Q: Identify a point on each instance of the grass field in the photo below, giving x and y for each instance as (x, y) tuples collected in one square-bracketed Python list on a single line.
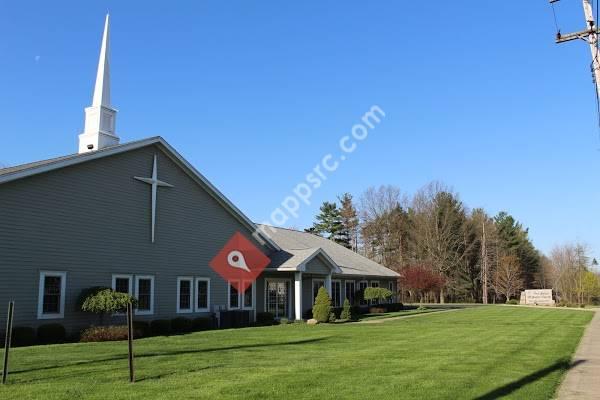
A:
[(478, 353)]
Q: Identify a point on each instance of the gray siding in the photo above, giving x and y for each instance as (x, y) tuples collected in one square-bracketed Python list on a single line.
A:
[(317, 266), (92, 220)]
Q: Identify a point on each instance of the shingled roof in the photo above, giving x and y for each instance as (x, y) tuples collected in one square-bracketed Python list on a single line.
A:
[(296, 244)]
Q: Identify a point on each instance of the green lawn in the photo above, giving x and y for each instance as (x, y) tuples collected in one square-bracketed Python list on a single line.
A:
[(477, 353)]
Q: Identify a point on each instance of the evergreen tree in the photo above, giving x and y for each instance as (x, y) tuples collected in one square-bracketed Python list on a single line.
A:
[(322, 309), (329, 224), (349, 219)]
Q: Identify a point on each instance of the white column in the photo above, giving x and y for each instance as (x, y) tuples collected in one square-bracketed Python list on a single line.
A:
[(298, 295), (328, 284)]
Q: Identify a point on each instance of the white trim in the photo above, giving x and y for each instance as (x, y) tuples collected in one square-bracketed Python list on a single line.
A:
[(319, 251), (192, 297), (267, 280), (298, 296), (137, 294), (313, 295), (340, 297), (122, 276), (346, 282), (63, 291), (366, 302), (196, 308), (170, 152), (229, 298), (253, 292)]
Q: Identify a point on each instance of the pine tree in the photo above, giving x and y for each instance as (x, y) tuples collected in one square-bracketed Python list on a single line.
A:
[(329, 224), (349, 219)]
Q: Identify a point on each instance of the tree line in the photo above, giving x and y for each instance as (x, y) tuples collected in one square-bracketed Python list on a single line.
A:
[(444, 250)]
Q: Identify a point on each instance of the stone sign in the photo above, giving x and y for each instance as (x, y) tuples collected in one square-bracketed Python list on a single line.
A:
[(538, 297)]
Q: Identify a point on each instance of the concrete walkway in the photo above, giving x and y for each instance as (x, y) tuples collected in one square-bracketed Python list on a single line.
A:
[(582, 382)]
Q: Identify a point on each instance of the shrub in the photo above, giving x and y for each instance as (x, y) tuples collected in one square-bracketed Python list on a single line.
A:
[(284, 321), (51, 333), (141, 329), (23, 336), (202, 324), (322, 306), (512, 301), (377, 293), (160, 327), (265, 319), (106, 301), (346, 311), (104, 333), (332, 317), (181, 325), (421, 308)]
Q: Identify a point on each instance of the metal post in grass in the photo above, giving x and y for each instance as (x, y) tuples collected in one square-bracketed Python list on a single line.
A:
[(130, 341), (9, 323)]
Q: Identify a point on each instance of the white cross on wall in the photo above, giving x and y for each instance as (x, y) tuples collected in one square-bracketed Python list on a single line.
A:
[(155, 183)]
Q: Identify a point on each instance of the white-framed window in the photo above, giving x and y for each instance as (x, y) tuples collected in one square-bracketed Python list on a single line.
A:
[(391, 288), (375, 284), (350, 291), (234, 298), (336, 293), (51, 295), (362, 285), (316, 285), (144, 293), (122, 283), (185, 294), (202, 301), (248, 298), (277, 297)]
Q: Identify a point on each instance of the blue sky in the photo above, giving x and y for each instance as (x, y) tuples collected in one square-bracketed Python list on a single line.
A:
[(254, 94)]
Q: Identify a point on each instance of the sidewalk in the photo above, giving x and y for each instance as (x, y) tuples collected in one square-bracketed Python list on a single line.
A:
[(582, 382)]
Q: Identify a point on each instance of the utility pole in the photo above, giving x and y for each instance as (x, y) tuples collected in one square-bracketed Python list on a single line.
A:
[(590, 35), (484, 269)]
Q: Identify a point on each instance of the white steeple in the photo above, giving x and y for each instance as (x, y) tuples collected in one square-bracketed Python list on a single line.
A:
[(99, 130)]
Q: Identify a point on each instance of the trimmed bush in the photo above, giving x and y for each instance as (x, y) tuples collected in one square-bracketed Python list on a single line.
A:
[(181, 325), (104, 333), (51, 333), (322, 307), (203, 324), (284, 321), (107, 301), (512, 301), (160, 327), (346, 313), (265, 319), (23, 336), (377, 293)]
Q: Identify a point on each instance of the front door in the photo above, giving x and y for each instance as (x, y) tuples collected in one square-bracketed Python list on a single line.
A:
[(278, 300)]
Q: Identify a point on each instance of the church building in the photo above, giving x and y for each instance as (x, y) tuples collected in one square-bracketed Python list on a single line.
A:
[(137, 217)]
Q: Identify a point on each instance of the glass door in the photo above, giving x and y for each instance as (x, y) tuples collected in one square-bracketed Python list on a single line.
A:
[(278, 298)]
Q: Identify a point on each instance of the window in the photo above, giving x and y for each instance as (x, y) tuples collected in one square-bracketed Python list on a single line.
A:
[(185, 287), (277, 298), (234, 298), (391, 288), (317, 284), (144, 292), (51, 295), (336, 293), (202, 294), (362, 285), (350, 291), (248, 301), (122, 283)]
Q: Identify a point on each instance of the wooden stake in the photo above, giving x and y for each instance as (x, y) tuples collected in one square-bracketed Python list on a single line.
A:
[(9, 322), (130, 341)]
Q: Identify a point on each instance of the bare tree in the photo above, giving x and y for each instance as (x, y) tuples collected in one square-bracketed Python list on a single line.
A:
[(507, 277)]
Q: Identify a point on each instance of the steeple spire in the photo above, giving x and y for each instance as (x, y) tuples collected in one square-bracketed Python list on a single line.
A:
[(102, 88), (99, 130)]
